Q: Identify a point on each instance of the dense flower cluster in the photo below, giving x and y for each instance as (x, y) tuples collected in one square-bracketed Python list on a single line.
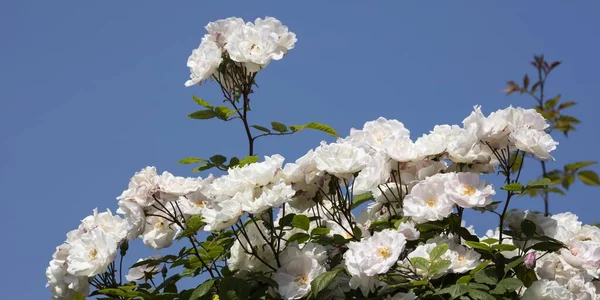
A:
[(250, 45), (375, 210)]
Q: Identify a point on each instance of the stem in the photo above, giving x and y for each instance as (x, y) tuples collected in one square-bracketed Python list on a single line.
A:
[(270, 243), (542, 79), (178, 223), (245, 120), (121, 270), (509, 194)]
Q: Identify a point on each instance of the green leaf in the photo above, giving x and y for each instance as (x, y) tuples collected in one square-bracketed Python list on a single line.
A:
[(540, 183), (438, 251), (202, 102), (566, 104), (232, 288), (552, 102), (439, 266), (320, 231), (454, 290), (361, 198), (248, 160), (357, 233), (191, 160), (527, 276), (233, 162), (526, 81), (322, 127), (568, 180), (278, 127), (113, 292), (514, 187), (547, 246), (218, 159), (323, 281), (192, 225), (504, 247), (203, 114), (528, 227), (301, 221), (480, 267), (464, 279), (299, 237), (478, 245), (589, 177), (420, 263), (265, 129), (286, 220), (568, 119), (507, 285), (487, 276), (419, 283), (224, 112), (480, 295), (578, 165), (479, 286), (490, 241), (203, 167), (202, 289)]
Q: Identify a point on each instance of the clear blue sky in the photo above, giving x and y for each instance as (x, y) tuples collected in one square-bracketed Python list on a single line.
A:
[(93, 91)]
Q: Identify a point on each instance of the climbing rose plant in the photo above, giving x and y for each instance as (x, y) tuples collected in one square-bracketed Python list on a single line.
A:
[(373, 215)]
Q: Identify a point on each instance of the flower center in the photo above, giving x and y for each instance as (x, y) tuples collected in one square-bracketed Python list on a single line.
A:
[(254, 48), (461, 257), (93, 254), (468, 190), (384, 252), (302, 279), (379, 139), (159, 225), (431, 202)]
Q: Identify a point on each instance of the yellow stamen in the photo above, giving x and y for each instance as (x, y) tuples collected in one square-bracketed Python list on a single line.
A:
[(468, 190), (159, 225), (302, 279), (384, 252), (93, 254), (431, 202)]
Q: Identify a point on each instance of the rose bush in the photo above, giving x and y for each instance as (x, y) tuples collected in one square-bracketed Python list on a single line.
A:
[(373, 215)]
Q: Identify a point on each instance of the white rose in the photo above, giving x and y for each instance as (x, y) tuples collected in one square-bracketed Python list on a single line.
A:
[(467, 190), (376, 254), (91, 254), (203, 62), (427, 201), (251, 46)]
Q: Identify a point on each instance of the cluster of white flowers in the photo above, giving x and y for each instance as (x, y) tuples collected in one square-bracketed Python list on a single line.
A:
[(250, 45), (87, 252), (572, 272), (423, 181), (324, 212)]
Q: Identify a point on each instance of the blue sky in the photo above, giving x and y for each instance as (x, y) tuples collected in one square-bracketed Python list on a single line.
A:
[(93, 91)]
